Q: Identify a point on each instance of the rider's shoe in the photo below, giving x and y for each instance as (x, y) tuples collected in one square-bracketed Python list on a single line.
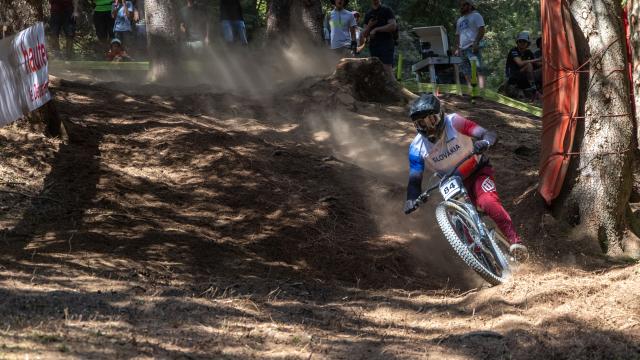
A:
[(519, 252)]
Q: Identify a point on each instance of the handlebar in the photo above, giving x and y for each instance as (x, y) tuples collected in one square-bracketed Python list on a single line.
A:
[(422, 198)]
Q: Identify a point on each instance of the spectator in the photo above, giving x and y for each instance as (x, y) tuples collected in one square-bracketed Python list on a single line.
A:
[(63, 15), (5, 30), (537, 66), (122, 13), (194, 26), (117, 53), (380, 26), (343, 30), (469, 33), (538, 53), (103, 22), (356, 15), (519, 66), (326, 28), (232, 22)]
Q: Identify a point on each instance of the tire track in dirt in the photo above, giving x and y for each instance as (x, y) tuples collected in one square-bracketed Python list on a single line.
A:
[(216, 226)]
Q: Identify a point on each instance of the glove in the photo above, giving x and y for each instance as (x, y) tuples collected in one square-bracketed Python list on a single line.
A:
[(354, 46), (480, 146), (410, 206)]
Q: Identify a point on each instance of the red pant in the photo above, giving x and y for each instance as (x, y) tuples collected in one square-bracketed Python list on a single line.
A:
[(482, 190)]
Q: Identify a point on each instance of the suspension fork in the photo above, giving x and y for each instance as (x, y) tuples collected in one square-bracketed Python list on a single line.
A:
[(467, 208)]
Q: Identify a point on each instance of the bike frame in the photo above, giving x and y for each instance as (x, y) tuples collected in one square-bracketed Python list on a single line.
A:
[(462, 202)]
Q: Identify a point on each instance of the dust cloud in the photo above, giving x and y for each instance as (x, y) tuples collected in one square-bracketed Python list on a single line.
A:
[(257, 71), (363, 137), (243, 70), (365, 141)]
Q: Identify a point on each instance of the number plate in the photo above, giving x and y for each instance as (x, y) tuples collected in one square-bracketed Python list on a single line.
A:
[(449, 188)]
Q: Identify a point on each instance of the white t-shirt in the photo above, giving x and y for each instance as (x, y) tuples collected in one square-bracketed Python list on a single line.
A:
[(467, 27), (340, 22)]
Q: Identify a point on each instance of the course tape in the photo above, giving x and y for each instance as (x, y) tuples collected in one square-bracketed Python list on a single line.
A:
[(465, 90), (411, 85), (100, 65)]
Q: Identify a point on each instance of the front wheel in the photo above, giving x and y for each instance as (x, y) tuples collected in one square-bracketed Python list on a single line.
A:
[(488, 261)]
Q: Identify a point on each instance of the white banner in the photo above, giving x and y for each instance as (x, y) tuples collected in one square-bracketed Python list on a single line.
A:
[(24, 74)]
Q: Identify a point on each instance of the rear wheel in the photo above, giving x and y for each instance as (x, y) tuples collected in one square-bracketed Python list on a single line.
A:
[(487, 260)]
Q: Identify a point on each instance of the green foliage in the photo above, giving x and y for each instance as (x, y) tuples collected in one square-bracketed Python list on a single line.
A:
[(504, 20)]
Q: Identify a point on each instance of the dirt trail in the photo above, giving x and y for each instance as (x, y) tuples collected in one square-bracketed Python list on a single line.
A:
[(195, 225)]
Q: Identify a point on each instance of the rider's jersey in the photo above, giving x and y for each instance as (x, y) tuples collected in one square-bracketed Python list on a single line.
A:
[(455, 143)]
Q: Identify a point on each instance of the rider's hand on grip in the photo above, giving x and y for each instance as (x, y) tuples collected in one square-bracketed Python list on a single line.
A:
[(410, 206), (480, 146)]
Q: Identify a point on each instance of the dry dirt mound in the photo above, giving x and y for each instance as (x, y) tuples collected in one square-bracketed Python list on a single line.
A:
[(194, 225)]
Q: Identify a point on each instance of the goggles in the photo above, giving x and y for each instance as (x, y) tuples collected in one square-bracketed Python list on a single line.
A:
[(428, 122)]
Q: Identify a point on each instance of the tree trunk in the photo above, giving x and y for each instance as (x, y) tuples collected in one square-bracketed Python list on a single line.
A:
[(162, 38), (18, 15), (15, 16), (601, 183), (634, 31), (295, 19)]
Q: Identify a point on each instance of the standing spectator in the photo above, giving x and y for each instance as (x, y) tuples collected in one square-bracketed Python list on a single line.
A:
[(326, 28), (122, 13), (469, 33), (103, 22), (343, 30), (380, 26), (138, 46), (232, 22), (194, 26), (63, 15), (356, 15)]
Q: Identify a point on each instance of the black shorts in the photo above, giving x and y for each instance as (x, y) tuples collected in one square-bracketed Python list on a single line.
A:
[(384, 53), (103, 23), (520, 79), (62, 21)]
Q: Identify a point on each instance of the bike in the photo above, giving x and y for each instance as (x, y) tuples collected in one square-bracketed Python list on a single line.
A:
[(477, 244)]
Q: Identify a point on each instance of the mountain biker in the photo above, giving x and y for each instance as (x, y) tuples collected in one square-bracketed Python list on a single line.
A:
[(443, 140)]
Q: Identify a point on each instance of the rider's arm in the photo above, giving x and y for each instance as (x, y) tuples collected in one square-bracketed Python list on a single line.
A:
[(470, 128), (416, 168), (414, 188)]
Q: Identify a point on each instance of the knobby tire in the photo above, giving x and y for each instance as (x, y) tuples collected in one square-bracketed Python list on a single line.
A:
[(461, 247)]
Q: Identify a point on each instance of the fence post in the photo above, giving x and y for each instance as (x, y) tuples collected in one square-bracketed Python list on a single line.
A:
[(474, 78)]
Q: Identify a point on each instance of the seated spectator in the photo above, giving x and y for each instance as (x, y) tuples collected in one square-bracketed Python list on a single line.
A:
[(117, 53), (194, 26), (5, 30), (122, 13), (519, 66), (537, 66), (538, 53)]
